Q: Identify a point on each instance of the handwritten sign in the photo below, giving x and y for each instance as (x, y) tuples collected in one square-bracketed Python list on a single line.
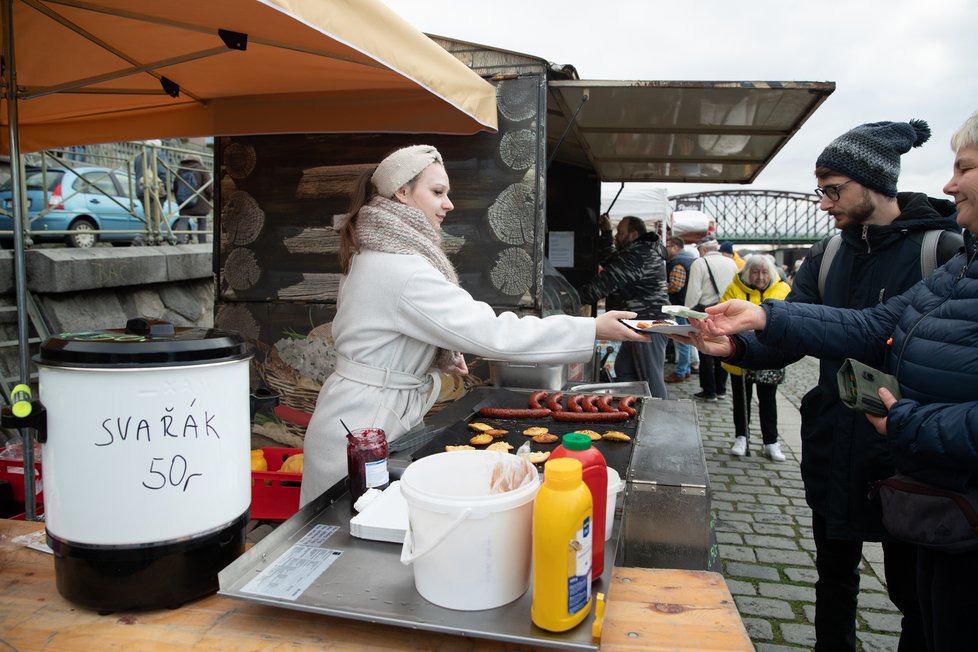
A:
[(145, 454)]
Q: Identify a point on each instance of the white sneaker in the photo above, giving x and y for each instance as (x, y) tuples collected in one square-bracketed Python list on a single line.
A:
[(740, 447), (774, 452)]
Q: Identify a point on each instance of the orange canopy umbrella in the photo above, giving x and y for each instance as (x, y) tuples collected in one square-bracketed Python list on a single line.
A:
[(92, 71)]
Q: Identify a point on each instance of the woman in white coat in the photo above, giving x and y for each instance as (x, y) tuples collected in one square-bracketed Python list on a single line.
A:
[(401, 315)]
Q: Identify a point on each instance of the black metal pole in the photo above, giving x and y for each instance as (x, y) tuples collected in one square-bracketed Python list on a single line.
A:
[(612, 204), (20, 267)]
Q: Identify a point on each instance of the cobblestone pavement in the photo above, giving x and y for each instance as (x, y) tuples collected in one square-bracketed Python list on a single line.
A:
[(763, 528)]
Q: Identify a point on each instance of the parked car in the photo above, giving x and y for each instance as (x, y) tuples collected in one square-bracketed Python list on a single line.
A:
[(83, 200)]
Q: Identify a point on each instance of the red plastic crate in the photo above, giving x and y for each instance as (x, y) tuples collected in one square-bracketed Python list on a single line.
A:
[(13, 472), (271, 498)]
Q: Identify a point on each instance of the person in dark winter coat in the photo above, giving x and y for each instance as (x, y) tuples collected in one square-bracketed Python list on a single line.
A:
[(633, 277), (677, 268), (932, 431), (194, 193), (879, 258)]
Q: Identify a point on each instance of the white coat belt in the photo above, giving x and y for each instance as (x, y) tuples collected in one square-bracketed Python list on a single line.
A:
[(389, 378), (379, 376)]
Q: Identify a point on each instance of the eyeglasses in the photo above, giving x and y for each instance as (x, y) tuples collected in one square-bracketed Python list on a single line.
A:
[(831, 191)]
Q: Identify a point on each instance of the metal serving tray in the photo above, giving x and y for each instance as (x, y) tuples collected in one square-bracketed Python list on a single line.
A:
[(312, 563)]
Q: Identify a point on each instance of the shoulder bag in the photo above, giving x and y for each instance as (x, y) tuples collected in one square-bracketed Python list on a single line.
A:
[(713, 282), (929, 516)]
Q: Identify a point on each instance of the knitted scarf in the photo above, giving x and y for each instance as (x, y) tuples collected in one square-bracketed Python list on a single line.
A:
[(394, 228)]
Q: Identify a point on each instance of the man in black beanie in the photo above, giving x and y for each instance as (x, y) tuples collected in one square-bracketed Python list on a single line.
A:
[(878, 255)]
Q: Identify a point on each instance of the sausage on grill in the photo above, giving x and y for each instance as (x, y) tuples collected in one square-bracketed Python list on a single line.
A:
[(514, 413), (535, 398), (591, 417)]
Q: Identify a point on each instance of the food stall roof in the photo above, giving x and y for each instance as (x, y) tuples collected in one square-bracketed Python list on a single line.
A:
[(677, 131)]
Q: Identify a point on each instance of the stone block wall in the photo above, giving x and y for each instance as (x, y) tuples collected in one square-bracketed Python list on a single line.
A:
[(103, 287)]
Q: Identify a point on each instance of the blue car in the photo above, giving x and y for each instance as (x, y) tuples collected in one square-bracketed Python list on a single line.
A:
[(82, 200)]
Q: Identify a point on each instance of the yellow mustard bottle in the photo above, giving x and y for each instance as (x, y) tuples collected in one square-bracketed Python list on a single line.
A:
[(562, 535)]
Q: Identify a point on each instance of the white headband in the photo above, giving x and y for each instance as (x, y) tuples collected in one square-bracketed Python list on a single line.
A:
[(402, 166)]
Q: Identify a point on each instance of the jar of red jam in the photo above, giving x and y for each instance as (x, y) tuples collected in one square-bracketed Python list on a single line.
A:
[(366, 459)]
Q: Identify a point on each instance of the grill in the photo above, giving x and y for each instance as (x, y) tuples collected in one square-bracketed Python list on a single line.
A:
[(616, 453)]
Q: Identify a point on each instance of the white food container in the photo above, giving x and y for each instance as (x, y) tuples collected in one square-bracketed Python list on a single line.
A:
[(146, 461)]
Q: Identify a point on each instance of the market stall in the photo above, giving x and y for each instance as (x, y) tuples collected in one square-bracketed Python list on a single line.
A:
[(278, 277), (356, 591), (526, 201)]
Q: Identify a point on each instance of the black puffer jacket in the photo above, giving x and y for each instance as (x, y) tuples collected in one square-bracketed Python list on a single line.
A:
[(632, 279), (932, 431), (842, 455)]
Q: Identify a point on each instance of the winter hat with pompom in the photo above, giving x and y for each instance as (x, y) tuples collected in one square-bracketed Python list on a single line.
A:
[(870, 153)]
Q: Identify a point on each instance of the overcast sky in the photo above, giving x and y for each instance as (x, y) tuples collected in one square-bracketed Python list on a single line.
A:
[(890, 60)]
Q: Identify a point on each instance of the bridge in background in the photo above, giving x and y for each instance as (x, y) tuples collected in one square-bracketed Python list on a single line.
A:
[(761, 216)]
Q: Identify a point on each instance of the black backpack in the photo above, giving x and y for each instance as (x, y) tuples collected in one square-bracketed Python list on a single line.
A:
[(936, 248)]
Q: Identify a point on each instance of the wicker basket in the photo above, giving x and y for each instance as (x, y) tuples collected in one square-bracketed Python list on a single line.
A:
[(284, 380), (291, 394)]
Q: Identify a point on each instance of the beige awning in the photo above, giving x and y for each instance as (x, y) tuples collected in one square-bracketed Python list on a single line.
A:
[(679, 131), (99, 70)]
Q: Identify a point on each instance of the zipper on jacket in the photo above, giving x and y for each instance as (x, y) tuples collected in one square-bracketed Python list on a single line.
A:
[(906, 340), (869, 248)]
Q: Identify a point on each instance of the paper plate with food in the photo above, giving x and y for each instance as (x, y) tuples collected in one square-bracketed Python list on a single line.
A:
[(663, 326)]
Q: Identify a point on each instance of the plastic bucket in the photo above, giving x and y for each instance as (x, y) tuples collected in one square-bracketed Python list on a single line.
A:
[(615, 487), (470, 549)]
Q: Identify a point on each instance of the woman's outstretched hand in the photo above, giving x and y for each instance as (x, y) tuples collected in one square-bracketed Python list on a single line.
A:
[(607, 327), (730, 317)]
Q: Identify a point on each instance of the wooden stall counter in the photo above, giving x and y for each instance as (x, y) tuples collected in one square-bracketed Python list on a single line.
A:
[(648, 609)]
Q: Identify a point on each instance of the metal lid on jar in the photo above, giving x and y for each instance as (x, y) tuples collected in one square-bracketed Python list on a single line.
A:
[(143, 343)]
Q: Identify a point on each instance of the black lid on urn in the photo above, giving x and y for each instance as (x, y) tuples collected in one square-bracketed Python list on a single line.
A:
[(143, 343)]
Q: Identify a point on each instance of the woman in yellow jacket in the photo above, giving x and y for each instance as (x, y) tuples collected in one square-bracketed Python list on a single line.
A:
[(757, 281)]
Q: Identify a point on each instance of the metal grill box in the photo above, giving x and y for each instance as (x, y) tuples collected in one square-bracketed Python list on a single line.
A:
[(523, 375), (666, 522)]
